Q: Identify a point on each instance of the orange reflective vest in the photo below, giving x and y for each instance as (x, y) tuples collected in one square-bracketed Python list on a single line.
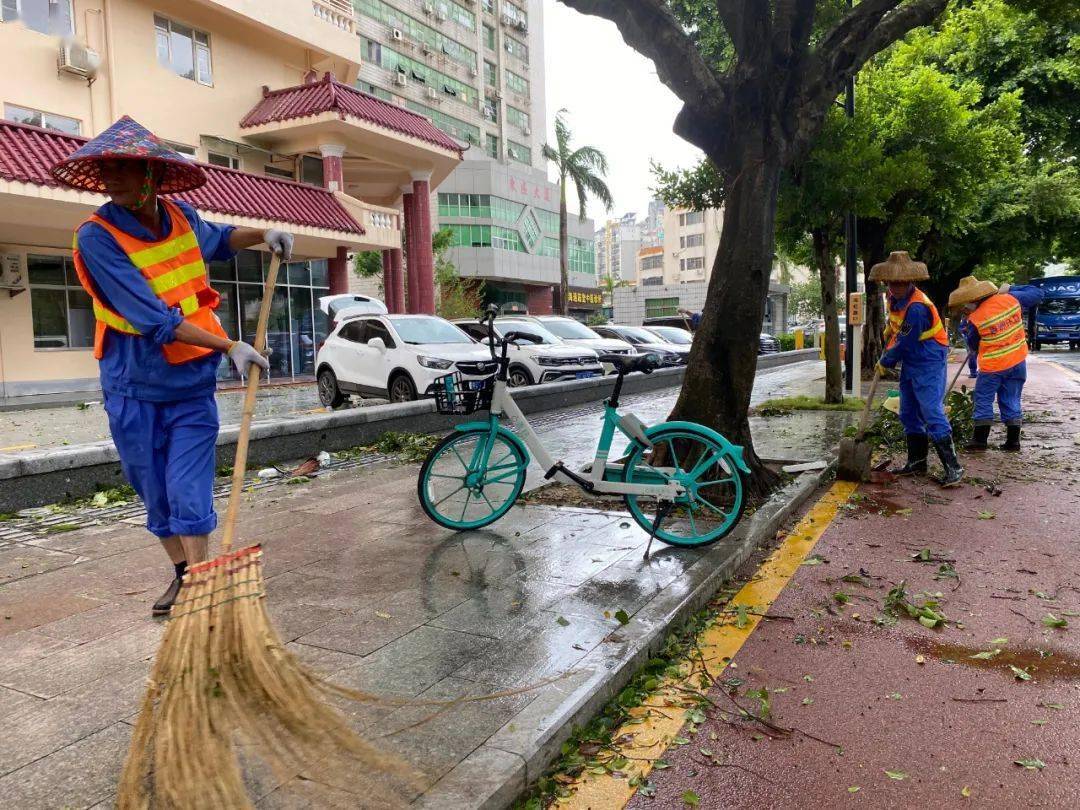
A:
[(896, 321), (176, 273), (1002, 342)]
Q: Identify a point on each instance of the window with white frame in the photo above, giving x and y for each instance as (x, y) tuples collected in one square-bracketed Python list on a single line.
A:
[(184, 50), (55, 17), (693, 263), (693, 240), (61, 311), (691, 218), (37, 118), (228, 161)]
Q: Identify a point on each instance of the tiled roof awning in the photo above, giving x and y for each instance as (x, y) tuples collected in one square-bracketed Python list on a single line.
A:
[(27, 153), (330, 95)]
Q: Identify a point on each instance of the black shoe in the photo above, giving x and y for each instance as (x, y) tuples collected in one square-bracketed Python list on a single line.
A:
[(953, 472), (1012, 439), (918, 445), (165, 601), (978, 439)]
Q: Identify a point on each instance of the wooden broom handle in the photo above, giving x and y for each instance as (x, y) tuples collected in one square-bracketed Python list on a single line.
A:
[(254, 374)]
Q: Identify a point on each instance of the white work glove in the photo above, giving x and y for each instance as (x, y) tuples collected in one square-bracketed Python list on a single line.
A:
[(244, 354), (279, 242), (1004, 288)]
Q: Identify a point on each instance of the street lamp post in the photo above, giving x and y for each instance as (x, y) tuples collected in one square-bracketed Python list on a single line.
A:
[(851, 280)]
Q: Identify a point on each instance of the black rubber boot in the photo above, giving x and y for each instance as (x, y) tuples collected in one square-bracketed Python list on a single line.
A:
[(978, 439), (953, 473), (1012, 439), (165, 601), (918, 446)]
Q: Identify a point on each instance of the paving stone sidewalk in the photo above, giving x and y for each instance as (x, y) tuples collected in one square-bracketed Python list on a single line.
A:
[(364, 588)]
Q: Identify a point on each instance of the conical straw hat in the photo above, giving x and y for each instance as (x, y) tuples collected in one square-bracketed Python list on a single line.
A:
[(971, 289), (127, 139), (899, 267)]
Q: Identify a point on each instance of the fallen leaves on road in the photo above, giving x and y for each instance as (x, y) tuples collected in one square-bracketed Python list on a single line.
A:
[(899, 776), (1032, 764), (1021, 674), (1050, 620)]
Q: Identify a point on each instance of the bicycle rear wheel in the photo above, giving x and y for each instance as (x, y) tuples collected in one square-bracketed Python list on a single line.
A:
[(714, 499), (459, 491)]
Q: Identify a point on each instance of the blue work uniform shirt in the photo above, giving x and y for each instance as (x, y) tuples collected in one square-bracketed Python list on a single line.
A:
[(909, 350), (134, 365)]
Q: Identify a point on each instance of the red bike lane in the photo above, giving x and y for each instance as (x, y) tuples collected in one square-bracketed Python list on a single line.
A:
[(903, 715)]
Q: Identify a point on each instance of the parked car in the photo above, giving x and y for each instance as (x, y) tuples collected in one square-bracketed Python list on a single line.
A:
[(672, 334), (575, 333), (545, 360), (344, 305), (767, 344), (395, 357), (671, 354)]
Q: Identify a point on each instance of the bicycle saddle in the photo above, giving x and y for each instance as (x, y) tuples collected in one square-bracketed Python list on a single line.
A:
[(626, 363)]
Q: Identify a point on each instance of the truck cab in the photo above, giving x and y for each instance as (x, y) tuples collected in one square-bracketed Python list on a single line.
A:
[(1058, 317)]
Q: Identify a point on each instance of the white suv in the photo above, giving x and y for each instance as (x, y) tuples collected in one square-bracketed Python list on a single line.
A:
[(576, 333), (395, 357), (545, 360)]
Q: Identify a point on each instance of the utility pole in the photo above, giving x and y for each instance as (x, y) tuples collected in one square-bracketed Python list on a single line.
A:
[(851, 279)]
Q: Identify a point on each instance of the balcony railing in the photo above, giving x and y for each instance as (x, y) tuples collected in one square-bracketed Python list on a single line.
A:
[(338, 13)]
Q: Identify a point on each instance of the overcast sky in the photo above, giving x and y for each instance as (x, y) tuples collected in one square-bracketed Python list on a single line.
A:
[(615, 102)]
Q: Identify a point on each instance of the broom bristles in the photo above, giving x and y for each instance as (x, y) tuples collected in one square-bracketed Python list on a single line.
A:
[(222, 676)]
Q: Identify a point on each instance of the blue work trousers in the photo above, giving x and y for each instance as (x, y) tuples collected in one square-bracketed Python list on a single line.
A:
[(167, 454), (922, 389), (973, 365), (1005, 386)]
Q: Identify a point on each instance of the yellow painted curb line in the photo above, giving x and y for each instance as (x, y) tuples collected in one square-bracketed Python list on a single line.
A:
[(1068, 371), (718, 645)]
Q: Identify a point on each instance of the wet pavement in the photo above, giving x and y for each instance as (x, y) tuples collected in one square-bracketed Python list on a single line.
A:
[(362, 586), (898, 715)]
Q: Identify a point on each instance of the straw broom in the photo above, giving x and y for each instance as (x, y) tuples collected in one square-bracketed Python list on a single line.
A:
[(222, 676)]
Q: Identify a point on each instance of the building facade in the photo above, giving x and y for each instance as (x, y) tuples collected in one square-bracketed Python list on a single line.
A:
[(633, 305), (652, 227), (262, 94), (474, 67), (691, 240), (505, 220), (650, 266), (617, 244)]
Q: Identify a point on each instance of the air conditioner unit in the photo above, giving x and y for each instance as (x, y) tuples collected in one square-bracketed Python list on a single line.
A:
[(396, 34), (401, 80), (526, 131), (432, 94), (507, 19), (77, 59), (425, 49), (474, 72), (429, 9), (522, 26), (440, 16), (497, 95)]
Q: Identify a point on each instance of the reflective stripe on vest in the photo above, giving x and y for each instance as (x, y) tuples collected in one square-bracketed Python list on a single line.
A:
[(1002, 340), (936, 329), (175, 272)]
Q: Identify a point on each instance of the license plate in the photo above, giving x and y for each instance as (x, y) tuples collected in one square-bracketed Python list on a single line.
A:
[(581, 375), (474, 385)]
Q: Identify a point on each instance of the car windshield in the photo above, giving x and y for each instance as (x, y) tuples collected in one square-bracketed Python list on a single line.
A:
[(502, 327), (428, 330), (636, 335), (673, 334), (1060, 306), (570, 330)]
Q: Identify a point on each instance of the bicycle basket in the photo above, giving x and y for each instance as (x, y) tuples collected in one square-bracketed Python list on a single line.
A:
[(455, 395)]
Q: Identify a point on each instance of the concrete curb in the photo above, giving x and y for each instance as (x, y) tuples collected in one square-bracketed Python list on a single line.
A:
[(499, 771), (51, 475)]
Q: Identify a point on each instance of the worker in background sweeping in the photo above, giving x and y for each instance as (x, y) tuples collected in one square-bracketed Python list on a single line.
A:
[(996, 330), (916, 340), (969, 334), (142, 259)]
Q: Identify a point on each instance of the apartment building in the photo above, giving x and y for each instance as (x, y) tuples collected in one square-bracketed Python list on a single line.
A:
[(652, 227), (474, 67), (690, 239), (617, 244), (263, 94)]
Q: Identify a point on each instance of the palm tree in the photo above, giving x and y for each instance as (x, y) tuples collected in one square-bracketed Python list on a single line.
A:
[(586, 167), (608, 284)]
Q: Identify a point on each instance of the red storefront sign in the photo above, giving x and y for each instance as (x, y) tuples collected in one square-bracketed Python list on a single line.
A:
[(536, 191)]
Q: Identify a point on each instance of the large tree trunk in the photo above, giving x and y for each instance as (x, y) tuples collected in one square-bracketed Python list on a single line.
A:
[(563, 305), (823, 254), (872, 250), (723, 360)]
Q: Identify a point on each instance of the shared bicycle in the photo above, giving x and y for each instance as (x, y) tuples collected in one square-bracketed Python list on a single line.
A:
[(682, 482)]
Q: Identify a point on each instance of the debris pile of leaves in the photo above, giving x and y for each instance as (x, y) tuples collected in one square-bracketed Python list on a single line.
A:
[(783, 406), (888, 433), (408, 447), (924, 608)]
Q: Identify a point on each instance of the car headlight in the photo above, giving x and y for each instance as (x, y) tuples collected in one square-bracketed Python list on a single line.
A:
[(434, 362), (1043, 328), (549, 361)]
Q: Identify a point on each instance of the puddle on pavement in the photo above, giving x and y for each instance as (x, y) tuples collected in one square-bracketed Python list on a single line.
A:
[(1044, 665), (872, 502)]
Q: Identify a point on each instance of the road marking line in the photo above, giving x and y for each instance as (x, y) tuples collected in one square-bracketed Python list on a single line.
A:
[(718, 645), (1068, 371)]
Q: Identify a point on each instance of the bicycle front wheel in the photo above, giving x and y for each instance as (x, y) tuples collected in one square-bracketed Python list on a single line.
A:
[(467, 483), (714, 498)]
